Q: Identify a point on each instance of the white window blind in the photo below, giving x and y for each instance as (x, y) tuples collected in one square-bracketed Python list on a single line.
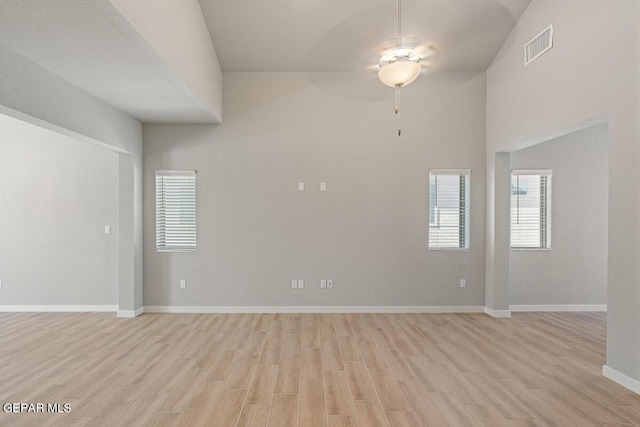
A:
[(175, 210), (449, 191), (531, 209)]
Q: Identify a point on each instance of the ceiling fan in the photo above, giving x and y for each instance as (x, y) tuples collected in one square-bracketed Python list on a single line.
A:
[(402, 59)]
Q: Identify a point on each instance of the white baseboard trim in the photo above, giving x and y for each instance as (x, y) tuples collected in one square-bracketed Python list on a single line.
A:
[(313, 309), (56, 308), (130, 313), (497, 313), (296, 309), (560, 307), (622, 379)]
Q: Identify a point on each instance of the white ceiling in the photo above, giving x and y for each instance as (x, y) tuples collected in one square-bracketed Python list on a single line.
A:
[(89, 44), (343, 35)]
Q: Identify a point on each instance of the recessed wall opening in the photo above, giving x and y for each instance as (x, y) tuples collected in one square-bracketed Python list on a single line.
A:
[(570, 274), (59, 220)]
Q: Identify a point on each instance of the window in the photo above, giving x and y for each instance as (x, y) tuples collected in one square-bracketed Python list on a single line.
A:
[(531, 209), (449, 209), (175, 211)]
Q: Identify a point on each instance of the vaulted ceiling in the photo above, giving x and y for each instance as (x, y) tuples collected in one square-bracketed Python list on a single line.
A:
[(92, 45), (321, 35)]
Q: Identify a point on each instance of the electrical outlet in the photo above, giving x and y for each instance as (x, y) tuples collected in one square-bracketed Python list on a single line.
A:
[(0, 283), (294, 284), (301, 186), (300, 284), (330, 283), (107, 229), (323, 284), (323, 186), (463, 283), (183, 284)]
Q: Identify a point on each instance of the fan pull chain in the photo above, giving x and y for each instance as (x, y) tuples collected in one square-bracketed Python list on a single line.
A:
[(398, 108), (399, 18)]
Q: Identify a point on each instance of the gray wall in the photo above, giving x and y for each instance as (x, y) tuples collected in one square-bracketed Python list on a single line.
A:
[(574, 271), (35, 95), (56, 196), (562, 91), (367, 232)]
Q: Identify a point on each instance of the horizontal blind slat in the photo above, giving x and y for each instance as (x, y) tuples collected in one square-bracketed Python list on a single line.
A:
[(449, 209), (175, 210), (530, 209)]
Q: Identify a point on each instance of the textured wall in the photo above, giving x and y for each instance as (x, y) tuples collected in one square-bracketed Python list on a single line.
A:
[(56, 196), (367, 232), (567, 89), (35, 95), (574, 271)]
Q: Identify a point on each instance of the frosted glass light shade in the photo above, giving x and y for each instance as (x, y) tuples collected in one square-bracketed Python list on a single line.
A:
[(399, 73)]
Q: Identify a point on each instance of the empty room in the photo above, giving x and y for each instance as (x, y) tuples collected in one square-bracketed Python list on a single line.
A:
[(303, 213)]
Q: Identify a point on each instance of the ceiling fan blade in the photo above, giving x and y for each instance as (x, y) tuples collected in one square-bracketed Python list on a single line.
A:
[(428, 56)]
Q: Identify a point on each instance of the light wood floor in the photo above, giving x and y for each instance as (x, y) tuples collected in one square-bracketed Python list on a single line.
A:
[(311, 370)]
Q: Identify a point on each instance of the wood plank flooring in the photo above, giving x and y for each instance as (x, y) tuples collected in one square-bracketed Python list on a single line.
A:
[(534, 369)]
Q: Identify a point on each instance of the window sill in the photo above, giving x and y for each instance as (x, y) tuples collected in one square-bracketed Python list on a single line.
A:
[(449, 249), (531, 249)]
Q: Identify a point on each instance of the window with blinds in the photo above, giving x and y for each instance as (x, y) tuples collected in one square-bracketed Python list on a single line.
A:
[(175, 211), (531, 209), (449, 202)]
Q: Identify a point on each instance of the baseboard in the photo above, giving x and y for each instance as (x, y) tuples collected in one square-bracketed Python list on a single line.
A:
[(622, 379), (56, 308), (130, 313), (560, 307), (297, 309), (313, 309), (497, 313)]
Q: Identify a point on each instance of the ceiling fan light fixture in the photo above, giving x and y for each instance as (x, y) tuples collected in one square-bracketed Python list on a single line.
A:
[(399, 73), (400, 61)]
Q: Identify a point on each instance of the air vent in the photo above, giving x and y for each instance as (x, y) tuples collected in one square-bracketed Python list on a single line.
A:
[(539, 45)]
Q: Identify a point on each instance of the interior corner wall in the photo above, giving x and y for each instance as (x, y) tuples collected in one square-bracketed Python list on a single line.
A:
[(368, 231), (56, 196), (574, 271), (497, 241), (565, 90), (33, 94)]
